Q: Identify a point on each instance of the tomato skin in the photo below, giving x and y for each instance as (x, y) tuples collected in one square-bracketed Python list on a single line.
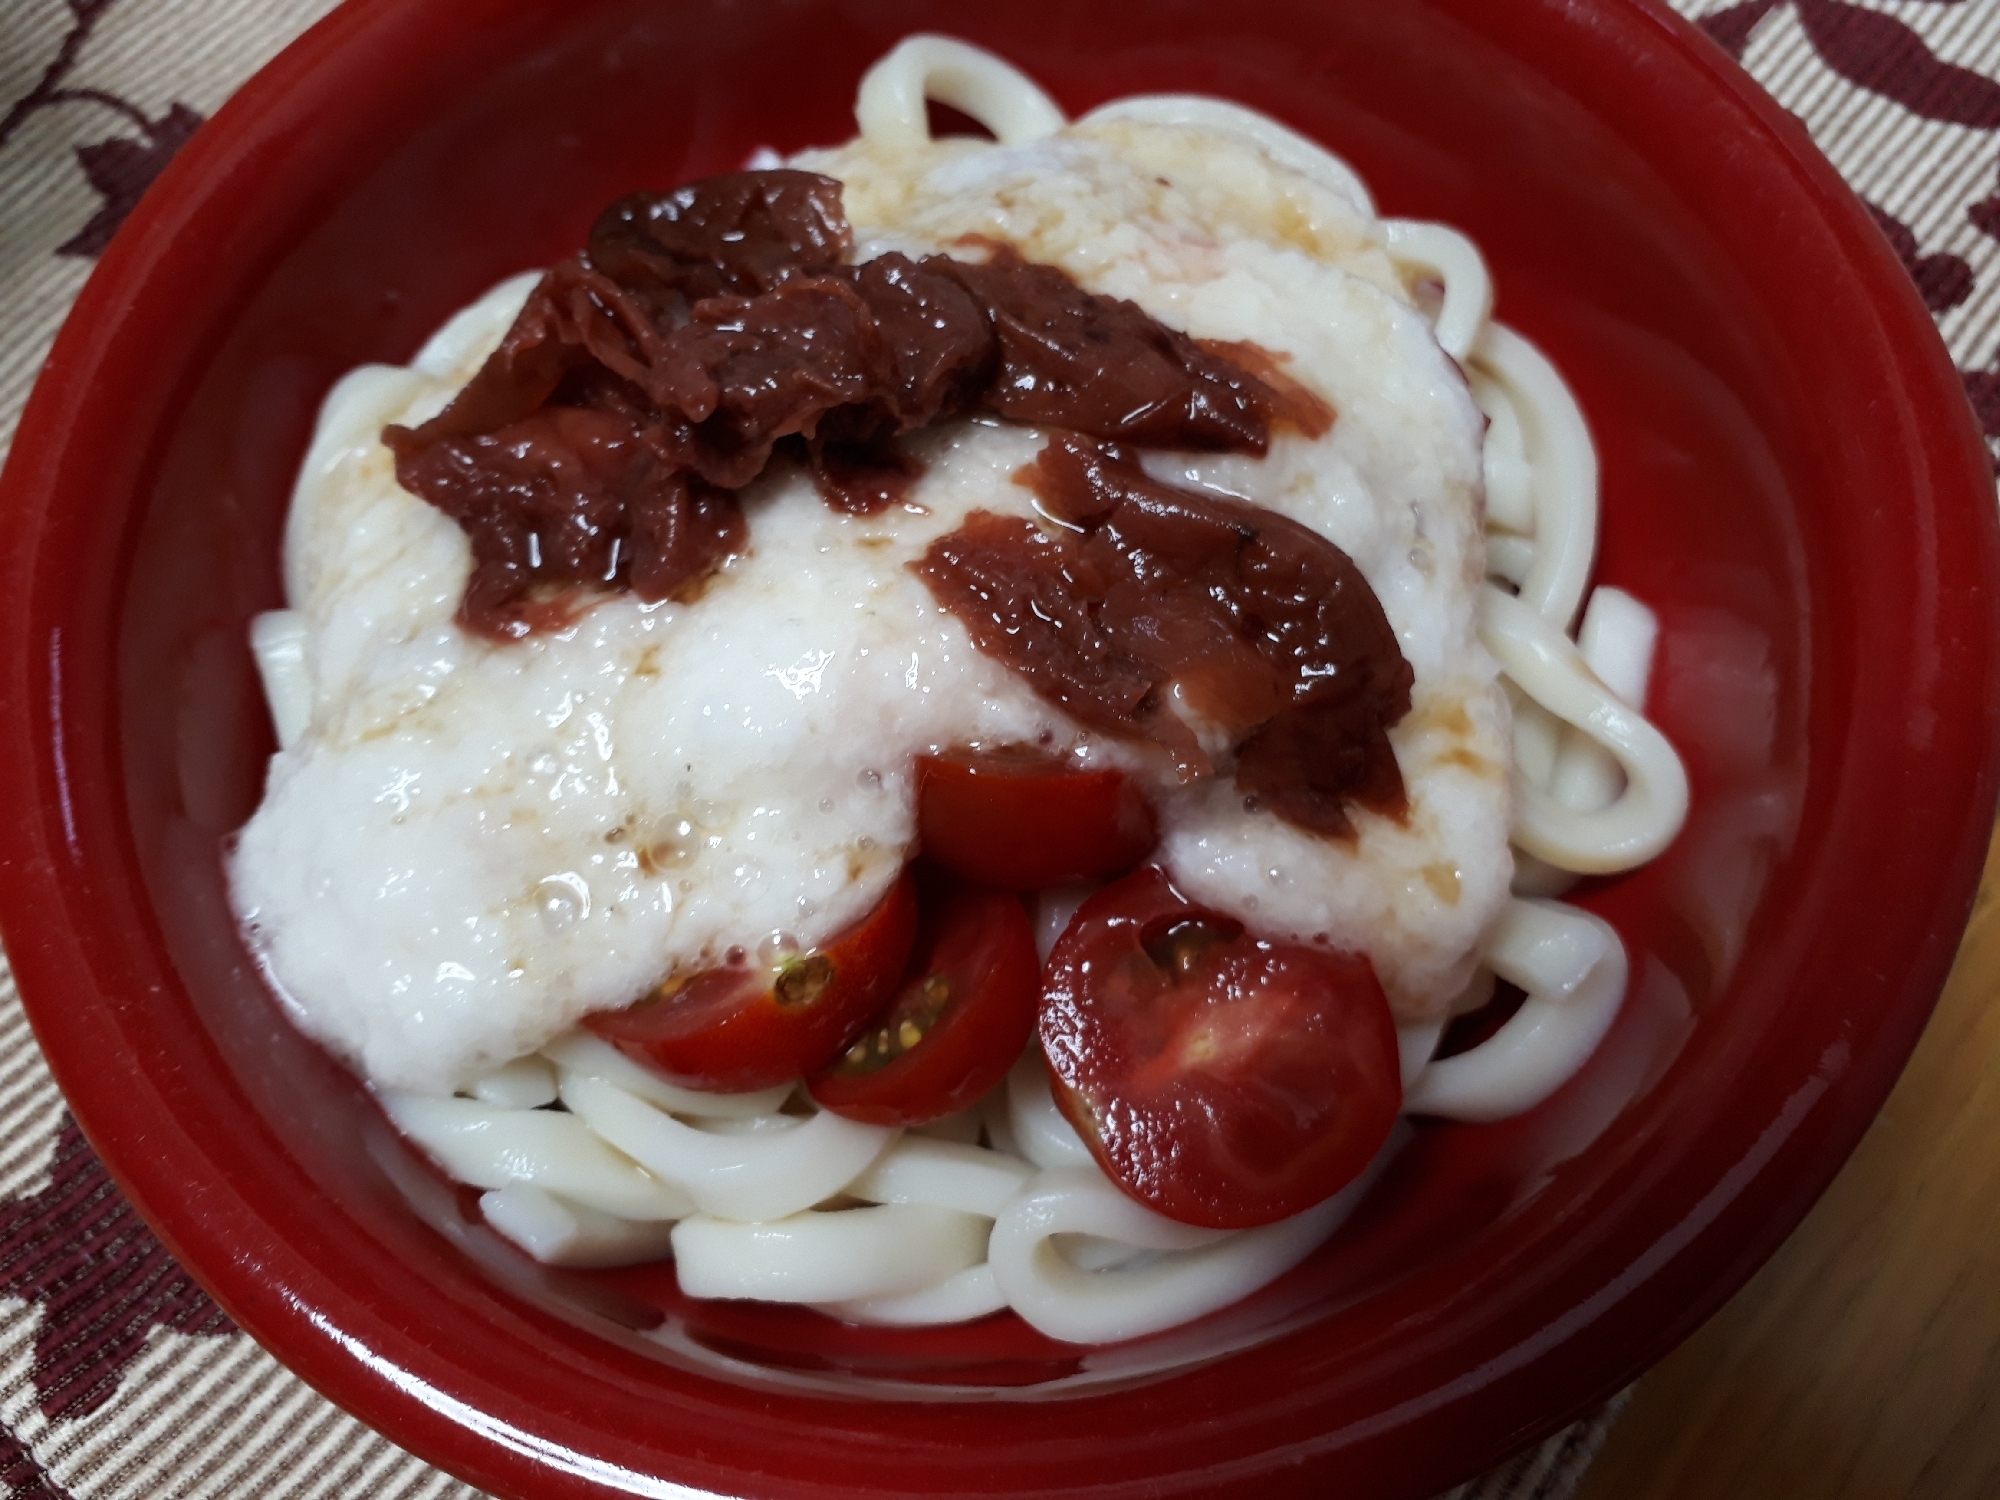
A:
[(976, 958), (1220, 1079), (742, 1027), (1021, 820)]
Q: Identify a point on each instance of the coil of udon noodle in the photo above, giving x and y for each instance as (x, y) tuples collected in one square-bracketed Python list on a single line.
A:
[(761, 1196)]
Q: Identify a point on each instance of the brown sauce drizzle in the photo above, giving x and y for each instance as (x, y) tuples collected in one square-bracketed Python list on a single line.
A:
[(704, 330), (1292, 404), (1261, 627)]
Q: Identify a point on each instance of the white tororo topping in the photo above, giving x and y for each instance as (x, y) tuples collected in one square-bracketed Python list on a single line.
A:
[(471, 845)]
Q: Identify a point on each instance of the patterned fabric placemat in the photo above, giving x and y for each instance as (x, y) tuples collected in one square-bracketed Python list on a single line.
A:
[(119, 1378)]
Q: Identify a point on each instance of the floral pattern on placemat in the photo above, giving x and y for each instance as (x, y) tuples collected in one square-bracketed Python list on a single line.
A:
[(1904, 97), (120, 167), (101, 1280), (119, 1378)]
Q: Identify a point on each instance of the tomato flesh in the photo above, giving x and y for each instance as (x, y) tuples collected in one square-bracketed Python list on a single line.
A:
[(1019, 820), (750, 1026), (1220, 1079), (963, 1013)]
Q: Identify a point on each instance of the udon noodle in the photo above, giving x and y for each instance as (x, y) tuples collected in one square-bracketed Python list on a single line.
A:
[(588, 1159)]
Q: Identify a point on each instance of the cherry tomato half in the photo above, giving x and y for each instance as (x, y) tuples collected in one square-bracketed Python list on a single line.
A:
[(1019, 819), (963, 1014), (749, 1026), (1220, 1079)]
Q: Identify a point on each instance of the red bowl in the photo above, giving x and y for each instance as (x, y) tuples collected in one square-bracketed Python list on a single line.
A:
[(1791, 477)]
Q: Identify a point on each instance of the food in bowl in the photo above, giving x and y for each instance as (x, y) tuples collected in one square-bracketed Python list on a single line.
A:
[(515, 796)]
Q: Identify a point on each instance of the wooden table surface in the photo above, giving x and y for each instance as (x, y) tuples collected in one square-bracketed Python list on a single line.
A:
[(1863, 1362)]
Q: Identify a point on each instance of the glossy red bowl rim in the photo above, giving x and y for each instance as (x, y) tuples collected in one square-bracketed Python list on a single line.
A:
[(1644, 1290)]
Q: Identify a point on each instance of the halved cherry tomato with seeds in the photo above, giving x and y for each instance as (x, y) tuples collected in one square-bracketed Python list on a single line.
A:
[(1020, 819), (749, 1026), (964, 1012), (1220, 1079)]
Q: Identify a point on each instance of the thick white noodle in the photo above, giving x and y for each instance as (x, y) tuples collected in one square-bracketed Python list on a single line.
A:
[(1541, 472), (1441, 251), (1053, 910), (1091, 1252), (1597, 788), (1617, 639), (963, 1127), (560, 1233), (1509, 557), (765, 1174), (1537, 736), (1573, 967), (1475, 994), (486, 1147), (1205, 1269), (1415, 1042), (592, 1057), (890, 108), (1510, 478), (1546, 665), (278, 642), (1616, 642), (525, 1083), (959, 1298), (1283, 145), (1563, 460), (842, 1256), (996, 1118), (943, 1174), (1039, 1130)]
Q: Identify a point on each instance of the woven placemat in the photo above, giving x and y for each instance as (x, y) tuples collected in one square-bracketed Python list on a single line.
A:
[(118, 1376)]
